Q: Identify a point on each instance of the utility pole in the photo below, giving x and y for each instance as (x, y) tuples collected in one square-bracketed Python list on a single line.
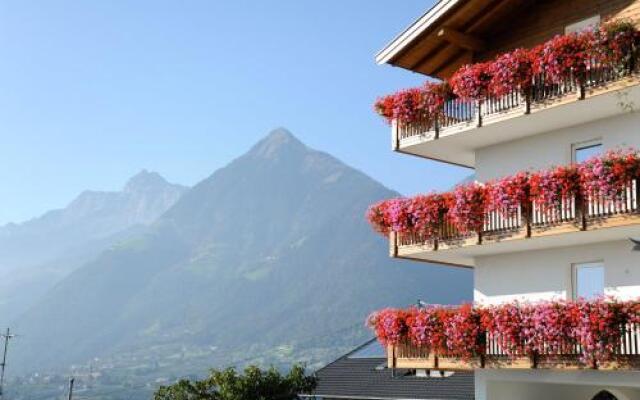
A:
[(7, 336), (71, 380)]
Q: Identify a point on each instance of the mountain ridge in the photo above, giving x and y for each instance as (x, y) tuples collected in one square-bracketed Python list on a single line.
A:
[(35, 254), (271, 250)]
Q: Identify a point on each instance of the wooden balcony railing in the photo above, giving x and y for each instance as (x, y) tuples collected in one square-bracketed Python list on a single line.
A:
[(531, 220), (457, 113), (566, 356)]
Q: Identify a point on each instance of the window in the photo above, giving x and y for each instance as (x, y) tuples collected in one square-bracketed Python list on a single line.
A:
[(583, 25), (585, 150), (588, 280)]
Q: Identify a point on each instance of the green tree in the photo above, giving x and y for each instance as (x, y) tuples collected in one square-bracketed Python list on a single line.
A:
[(253, 384)]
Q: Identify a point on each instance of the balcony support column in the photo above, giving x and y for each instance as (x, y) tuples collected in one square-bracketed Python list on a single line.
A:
[(395, 136), (582, 211), (637, 193), (393, 244), (527, 100), (391, 357), (527, 216)]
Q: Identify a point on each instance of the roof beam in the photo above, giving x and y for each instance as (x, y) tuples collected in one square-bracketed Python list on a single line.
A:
[(462, 40)]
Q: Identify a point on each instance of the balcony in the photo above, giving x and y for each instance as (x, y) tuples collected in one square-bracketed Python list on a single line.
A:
[(544, 335), (567, 357), (470, 125), (576, 220), (519, 94), (597, 200)]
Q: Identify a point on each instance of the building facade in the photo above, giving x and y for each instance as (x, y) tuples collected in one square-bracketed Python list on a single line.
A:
[(581, 250)]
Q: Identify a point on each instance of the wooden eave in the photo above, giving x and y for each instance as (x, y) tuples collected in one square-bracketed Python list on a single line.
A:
[(452, 33)]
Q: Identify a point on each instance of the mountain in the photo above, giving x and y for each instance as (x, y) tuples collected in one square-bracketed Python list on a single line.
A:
[(268, 258), (36, 254)]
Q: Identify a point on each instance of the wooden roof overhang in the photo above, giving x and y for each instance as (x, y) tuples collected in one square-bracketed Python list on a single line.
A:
[(452, 33)]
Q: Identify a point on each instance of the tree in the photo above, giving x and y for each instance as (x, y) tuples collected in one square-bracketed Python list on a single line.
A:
[(253, 384)]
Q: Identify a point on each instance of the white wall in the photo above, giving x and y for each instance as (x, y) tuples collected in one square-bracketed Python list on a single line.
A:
[(547, 274), (554, 148), (553, 385)]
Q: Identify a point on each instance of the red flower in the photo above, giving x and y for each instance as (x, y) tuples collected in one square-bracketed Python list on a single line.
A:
[(472, 81), (564, 57), (511, 72), (469, 204)]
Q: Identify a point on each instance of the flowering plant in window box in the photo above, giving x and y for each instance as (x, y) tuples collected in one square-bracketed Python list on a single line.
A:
[(609, 175), (468, 207), (426, 327), (472, 81), (591, 331), (565, 57), (506, 195), (511, 72), (426, 213), (552, 189), (616, 42), (390, 325)]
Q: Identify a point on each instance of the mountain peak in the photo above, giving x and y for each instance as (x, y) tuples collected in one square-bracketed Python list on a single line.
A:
[(145, 180), (275, 142)]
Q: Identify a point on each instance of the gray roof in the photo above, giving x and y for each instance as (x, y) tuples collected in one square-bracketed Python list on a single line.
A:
[(368, 378)]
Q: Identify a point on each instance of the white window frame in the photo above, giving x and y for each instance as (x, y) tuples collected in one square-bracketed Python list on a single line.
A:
[(582, 25), (583, 145), (574, 276)]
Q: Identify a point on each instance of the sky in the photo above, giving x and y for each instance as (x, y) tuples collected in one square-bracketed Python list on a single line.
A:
[(93, 92)]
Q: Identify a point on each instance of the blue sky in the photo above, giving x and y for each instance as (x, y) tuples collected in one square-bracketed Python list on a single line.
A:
[(92, 92)]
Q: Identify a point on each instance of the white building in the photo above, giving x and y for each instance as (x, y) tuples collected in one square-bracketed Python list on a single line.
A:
[(561, 259)]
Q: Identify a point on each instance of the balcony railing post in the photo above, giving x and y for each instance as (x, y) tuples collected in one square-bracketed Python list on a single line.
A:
[(581, 208), (527, 215), (527, 99), (581, 82), (395, 135), (393, 244), (637, 195), (436, 127), (479, 113), (391, 356)]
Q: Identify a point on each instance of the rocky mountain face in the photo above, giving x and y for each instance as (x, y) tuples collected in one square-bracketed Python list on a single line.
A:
[(270, 252), (36, 254)]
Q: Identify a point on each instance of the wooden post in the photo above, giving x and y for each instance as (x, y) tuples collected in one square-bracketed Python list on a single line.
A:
[(436, 128), (393, 244), (391, 356), (581, 211), (527, 100), (479, 114), (395, 136), (527, 216), (637, 192)]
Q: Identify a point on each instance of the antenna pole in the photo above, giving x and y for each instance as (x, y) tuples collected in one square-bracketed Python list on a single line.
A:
[(71, 380), (7, 336)]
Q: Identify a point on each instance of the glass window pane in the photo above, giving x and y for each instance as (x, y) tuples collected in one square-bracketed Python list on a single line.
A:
[(585, 152), (589, 280)]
